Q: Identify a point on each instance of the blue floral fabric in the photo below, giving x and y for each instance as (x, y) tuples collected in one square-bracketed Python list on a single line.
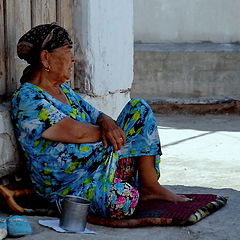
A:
[(86, 170)]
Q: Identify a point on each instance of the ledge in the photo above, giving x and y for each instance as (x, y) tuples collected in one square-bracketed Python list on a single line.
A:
[(195, 106), (187, 47)]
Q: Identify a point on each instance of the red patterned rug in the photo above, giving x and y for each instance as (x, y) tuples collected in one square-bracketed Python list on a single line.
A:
[(156, 212)]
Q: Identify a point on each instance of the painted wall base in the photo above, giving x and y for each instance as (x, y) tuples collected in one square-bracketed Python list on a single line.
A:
[(110, 104)]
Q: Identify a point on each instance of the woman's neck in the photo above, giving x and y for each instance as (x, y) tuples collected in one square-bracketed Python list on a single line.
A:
[(45, 81), (51, 87)]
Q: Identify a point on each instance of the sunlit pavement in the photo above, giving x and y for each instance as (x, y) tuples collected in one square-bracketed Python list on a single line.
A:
[(200, 150)]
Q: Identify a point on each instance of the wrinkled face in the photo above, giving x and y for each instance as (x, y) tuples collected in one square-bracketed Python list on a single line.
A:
[(61, 62)]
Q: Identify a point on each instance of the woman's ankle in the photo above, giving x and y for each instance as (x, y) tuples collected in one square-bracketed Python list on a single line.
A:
[(157, 191), (149, 191)]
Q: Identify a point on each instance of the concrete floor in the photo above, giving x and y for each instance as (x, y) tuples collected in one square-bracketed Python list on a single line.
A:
[(200, 150), (201, 155)]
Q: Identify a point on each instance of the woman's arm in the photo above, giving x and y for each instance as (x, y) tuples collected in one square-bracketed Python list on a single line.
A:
[(72, 131)]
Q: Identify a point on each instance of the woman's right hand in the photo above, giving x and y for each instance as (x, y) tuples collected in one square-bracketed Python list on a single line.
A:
[(111, 133)]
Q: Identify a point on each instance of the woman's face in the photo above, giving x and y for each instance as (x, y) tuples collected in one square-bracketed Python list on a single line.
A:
[(61, 62)]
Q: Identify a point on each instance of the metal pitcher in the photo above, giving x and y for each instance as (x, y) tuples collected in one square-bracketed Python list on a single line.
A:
[(74, 211)]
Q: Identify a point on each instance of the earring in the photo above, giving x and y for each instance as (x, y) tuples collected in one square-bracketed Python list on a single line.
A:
[(47, 69)]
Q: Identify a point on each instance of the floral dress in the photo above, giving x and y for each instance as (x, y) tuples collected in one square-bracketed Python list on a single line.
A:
[(88, 170)]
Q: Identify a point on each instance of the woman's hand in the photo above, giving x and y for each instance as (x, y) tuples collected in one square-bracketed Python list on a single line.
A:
[(111, 133)]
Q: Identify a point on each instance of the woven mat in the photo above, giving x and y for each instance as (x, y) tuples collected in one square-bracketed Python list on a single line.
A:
[(156, 212), (147, 213)]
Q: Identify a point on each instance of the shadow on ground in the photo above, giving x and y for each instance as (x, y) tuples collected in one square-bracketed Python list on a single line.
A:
[(208, 122)]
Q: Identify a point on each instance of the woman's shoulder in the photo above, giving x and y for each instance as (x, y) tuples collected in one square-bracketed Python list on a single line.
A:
[(27, 92), (28, 88)]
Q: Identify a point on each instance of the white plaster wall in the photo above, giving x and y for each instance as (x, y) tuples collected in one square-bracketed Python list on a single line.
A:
[(158, 21), (9, 158), (105, 32)]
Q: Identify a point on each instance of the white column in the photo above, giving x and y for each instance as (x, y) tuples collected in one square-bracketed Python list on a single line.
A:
[(104, 42)]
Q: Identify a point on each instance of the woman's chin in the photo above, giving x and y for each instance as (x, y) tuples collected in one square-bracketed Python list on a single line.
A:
[(69, 76), (65, 79)]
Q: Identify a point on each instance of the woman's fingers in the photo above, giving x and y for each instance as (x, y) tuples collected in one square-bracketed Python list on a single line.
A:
[(117, 138), (116, 142), (105, 143), (123, 137), (112, 141), (112, 133), (120, 138), (182, 198)]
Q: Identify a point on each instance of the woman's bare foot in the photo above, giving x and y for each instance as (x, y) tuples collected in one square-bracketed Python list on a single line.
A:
[(156, 191)]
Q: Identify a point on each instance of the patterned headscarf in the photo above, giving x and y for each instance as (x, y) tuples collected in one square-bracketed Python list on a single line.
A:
[(41, 37)]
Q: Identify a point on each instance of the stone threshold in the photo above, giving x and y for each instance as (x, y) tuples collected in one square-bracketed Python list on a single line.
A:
[(195, 106)]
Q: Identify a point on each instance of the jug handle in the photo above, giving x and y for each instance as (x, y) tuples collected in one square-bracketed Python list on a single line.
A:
[(58, 203)]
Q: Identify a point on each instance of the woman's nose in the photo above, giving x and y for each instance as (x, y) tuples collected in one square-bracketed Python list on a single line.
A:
[(73, 58)]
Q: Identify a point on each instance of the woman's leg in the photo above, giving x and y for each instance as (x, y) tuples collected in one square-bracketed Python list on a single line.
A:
[(138, 122), (149, 185), (122, 199)]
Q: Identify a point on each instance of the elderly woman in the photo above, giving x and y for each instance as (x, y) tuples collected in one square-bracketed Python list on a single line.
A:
[(71, 147)]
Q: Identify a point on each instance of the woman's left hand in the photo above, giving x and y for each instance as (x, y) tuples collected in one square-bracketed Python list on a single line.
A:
[(111, 133)]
